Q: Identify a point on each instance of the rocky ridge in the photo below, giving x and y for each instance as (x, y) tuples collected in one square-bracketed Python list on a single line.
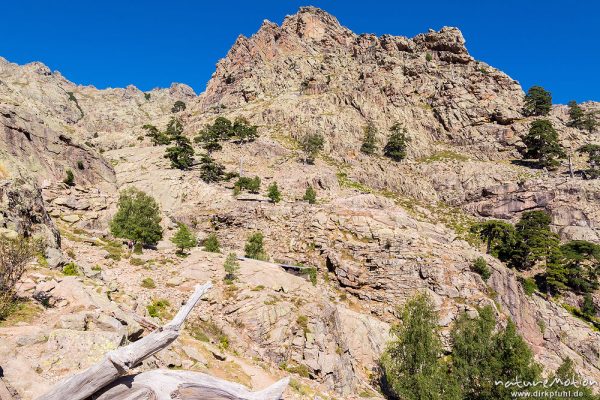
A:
[(380, 232)]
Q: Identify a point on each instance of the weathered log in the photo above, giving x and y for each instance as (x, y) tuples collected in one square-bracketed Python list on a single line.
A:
[(117, 362), (184, 385)]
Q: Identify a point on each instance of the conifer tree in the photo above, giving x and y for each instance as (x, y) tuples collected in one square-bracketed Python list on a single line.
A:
[(211, 244), (593, 152), (273, 193), (231, 267), (310, 195), (184, 239), (538, 101), (542, 144), (369, 144), (182, 153), (575, 114), (210, 170), (255, 248), (395, 147), (311, 144)]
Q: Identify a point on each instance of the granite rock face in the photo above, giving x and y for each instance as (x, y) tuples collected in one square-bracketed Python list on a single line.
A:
[(380, 230)]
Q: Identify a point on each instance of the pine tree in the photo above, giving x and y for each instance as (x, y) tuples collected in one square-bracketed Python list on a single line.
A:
[(182, 154), (581, 261), (542, 144), (590, 122), (244, 132), (395, 148), (184, 239), (210, 170), (178, 106), (156, 137), (575, 115), (273, 193), (411, 364), (311, 144), (534, 241), (250, 184), (593, 152), (538, 101), (495, 233), (137, 218), (231, 267), (255, 248), (369, 144), (310, 195), (211, 244)]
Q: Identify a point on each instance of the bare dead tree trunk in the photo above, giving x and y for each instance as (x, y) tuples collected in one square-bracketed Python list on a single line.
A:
[(119, 361)]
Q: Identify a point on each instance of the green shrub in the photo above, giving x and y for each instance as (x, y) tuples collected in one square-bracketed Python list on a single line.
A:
[(15, 254), (158, 308), (136, 261), (250, 184), (529, 285), (480, 266), (184, 239), (273, 193), (231, 267), (70, 178), (211, 243), (255, 248), (148, 283), (310, 195), (428, 57), (369, 144), (311, 144), (80, 165), (71, 269)]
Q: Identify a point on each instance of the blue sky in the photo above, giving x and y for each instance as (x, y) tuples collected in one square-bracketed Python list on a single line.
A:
[(152, 43)]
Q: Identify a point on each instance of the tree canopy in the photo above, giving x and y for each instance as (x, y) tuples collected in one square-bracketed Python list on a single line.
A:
[(137, 218), (395, 148), (538, 101), (369, 144), (542, 144)]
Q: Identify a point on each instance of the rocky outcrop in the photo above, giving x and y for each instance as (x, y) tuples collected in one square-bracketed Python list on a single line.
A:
[(22, 212)]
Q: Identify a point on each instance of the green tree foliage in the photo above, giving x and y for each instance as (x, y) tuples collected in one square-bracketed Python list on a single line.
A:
[(273, 193), (495, 233), (184, 238), (369, 144), (255, 248), (231, 267), (178, 106), (538, 101), (534, 242), (575, 115), (395, 148), (542, 144), (222, 129), (250, 184), (137, 218), (411, 362), (211, 243), (580, 262), (480, 356), (182, 153), (210, 170), (590, 121), (480, 267), (566, 373), (311, 144), (70, 178), (310, 195), (156, 137), (588, 307), (593, 152), (15, 254)]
